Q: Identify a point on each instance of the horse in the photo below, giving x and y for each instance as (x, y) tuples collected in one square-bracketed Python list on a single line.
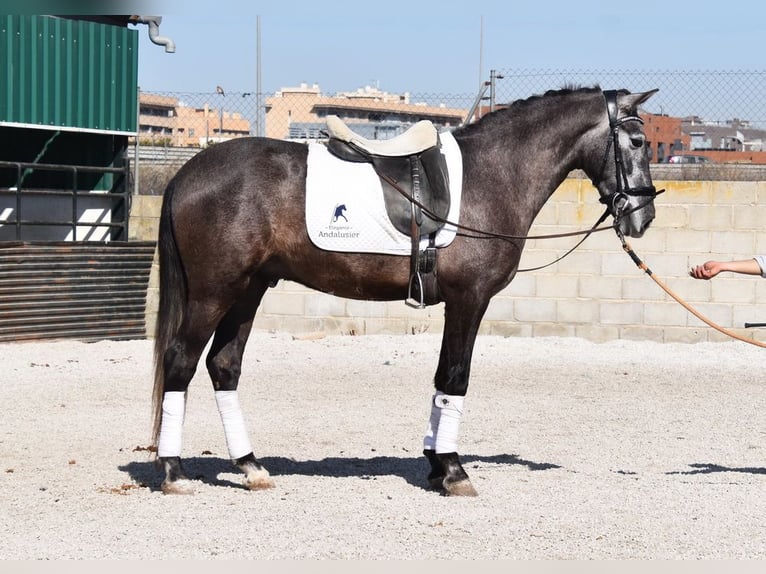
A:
[(233, 224)]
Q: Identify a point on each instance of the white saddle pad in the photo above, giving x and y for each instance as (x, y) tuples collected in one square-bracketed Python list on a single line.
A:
[(345, 209)]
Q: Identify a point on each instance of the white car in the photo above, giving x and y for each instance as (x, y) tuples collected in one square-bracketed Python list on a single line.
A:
[(688, 159)]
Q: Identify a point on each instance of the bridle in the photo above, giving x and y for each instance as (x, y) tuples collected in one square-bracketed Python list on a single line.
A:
[(618, 198)]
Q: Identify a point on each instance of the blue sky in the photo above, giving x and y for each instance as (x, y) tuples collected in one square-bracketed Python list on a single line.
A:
[(436, 47)]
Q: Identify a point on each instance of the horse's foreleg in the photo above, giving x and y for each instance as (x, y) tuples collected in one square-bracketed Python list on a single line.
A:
[(224, 364), (451, 380), (440, 446)]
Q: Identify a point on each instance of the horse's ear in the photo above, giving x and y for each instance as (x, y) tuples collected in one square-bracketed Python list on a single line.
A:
[(629, 102)]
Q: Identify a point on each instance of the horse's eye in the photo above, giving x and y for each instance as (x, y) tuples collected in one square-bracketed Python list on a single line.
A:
[(636, 142)]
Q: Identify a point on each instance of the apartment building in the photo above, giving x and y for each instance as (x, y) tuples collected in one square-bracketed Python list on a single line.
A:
[(299, 113), (663, 136), (166, 121)]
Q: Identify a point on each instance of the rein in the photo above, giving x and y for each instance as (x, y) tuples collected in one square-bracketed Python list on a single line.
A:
[(483, 234), (641, 265)]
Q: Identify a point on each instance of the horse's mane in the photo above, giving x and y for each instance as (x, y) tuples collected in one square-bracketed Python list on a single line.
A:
[(524, 106)]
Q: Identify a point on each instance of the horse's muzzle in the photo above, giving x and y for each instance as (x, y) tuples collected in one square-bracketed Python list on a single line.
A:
[(636, 223)]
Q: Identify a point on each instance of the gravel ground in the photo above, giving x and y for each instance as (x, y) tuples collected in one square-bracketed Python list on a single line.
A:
[(579, 450)]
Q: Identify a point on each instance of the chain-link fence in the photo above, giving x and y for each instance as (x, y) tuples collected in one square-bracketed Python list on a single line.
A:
[(716, 97), (175, 126)]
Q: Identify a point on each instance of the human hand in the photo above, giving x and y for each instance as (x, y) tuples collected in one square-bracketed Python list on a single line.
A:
[(707, 270)]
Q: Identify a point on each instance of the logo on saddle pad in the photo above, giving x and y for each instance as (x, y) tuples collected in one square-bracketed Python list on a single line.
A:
[(338, 212), (336, 228)]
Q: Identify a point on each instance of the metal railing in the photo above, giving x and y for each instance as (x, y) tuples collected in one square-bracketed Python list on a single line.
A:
[(118, 204)]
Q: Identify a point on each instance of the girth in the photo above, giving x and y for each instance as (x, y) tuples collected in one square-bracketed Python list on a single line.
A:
[(420, 176)]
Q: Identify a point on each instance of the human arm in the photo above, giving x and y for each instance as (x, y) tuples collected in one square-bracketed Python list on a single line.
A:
[(710, 269)]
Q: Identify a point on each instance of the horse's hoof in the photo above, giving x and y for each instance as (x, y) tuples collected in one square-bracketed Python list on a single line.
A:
[(259, 482), (436, 482), (459, 488), (180, 486)]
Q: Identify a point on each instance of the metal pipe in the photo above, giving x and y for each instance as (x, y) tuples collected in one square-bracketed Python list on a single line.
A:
[(259, 131), (493, 76), (154, 31), (136, 167), (479, 98)]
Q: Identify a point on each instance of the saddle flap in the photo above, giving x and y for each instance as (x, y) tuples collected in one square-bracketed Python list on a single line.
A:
[(433, 193), (342, 150)]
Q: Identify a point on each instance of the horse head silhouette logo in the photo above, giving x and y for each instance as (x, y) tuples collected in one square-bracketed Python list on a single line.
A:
[(339, 209)]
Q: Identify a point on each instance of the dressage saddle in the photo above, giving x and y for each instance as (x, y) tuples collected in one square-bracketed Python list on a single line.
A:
[(415, 184), (411, 161)]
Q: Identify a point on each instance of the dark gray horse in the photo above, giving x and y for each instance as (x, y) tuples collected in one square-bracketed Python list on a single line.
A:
[(233, 224)]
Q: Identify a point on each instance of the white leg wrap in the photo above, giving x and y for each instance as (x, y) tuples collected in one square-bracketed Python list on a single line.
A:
[(429, 441), (233, 424), (171, 428), (444, 423)]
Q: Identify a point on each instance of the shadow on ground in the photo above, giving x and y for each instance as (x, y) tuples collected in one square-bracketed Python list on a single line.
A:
[(709, 468), (412, 469)]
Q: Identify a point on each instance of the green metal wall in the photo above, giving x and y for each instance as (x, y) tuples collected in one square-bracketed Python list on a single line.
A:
[(68, 74)]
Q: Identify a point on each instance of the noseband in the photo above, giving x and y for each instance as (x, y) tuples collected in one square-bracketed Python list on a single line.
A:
[(619, 197)]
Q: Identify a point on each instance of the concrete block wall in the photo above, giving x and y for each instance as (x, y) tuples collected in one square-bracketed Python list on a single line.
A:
[(144, 225), (597, 292)]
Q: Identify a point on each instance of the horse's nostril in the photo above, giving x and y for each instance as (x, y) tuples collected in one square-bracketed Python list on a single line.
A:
[(642, 228)]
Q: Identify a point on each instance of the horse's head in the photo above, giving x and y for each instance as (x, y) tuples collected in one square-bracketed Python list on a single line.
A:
[(623, 180)]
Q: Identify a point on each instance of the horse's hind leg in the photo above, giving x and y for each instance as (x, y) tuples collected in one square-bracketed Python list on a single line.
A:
[(224, 364), (180, 362)]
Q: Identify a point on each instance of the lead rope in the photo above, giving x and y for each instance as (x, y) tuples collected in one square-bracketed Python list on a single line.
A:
[(641, 265)]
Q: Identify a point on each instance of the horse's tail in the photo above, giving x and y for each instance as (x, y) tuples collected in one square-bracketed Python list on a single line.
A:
[(171, 305)]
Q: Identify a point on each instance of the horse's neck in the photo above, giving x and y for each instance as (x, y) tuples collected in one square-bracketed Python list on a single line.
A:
[(525, 175), (539, 165)]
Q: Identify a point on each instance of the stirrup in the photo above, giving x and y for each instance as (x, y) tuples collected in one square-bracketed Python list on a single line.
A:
[(411, 301)]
